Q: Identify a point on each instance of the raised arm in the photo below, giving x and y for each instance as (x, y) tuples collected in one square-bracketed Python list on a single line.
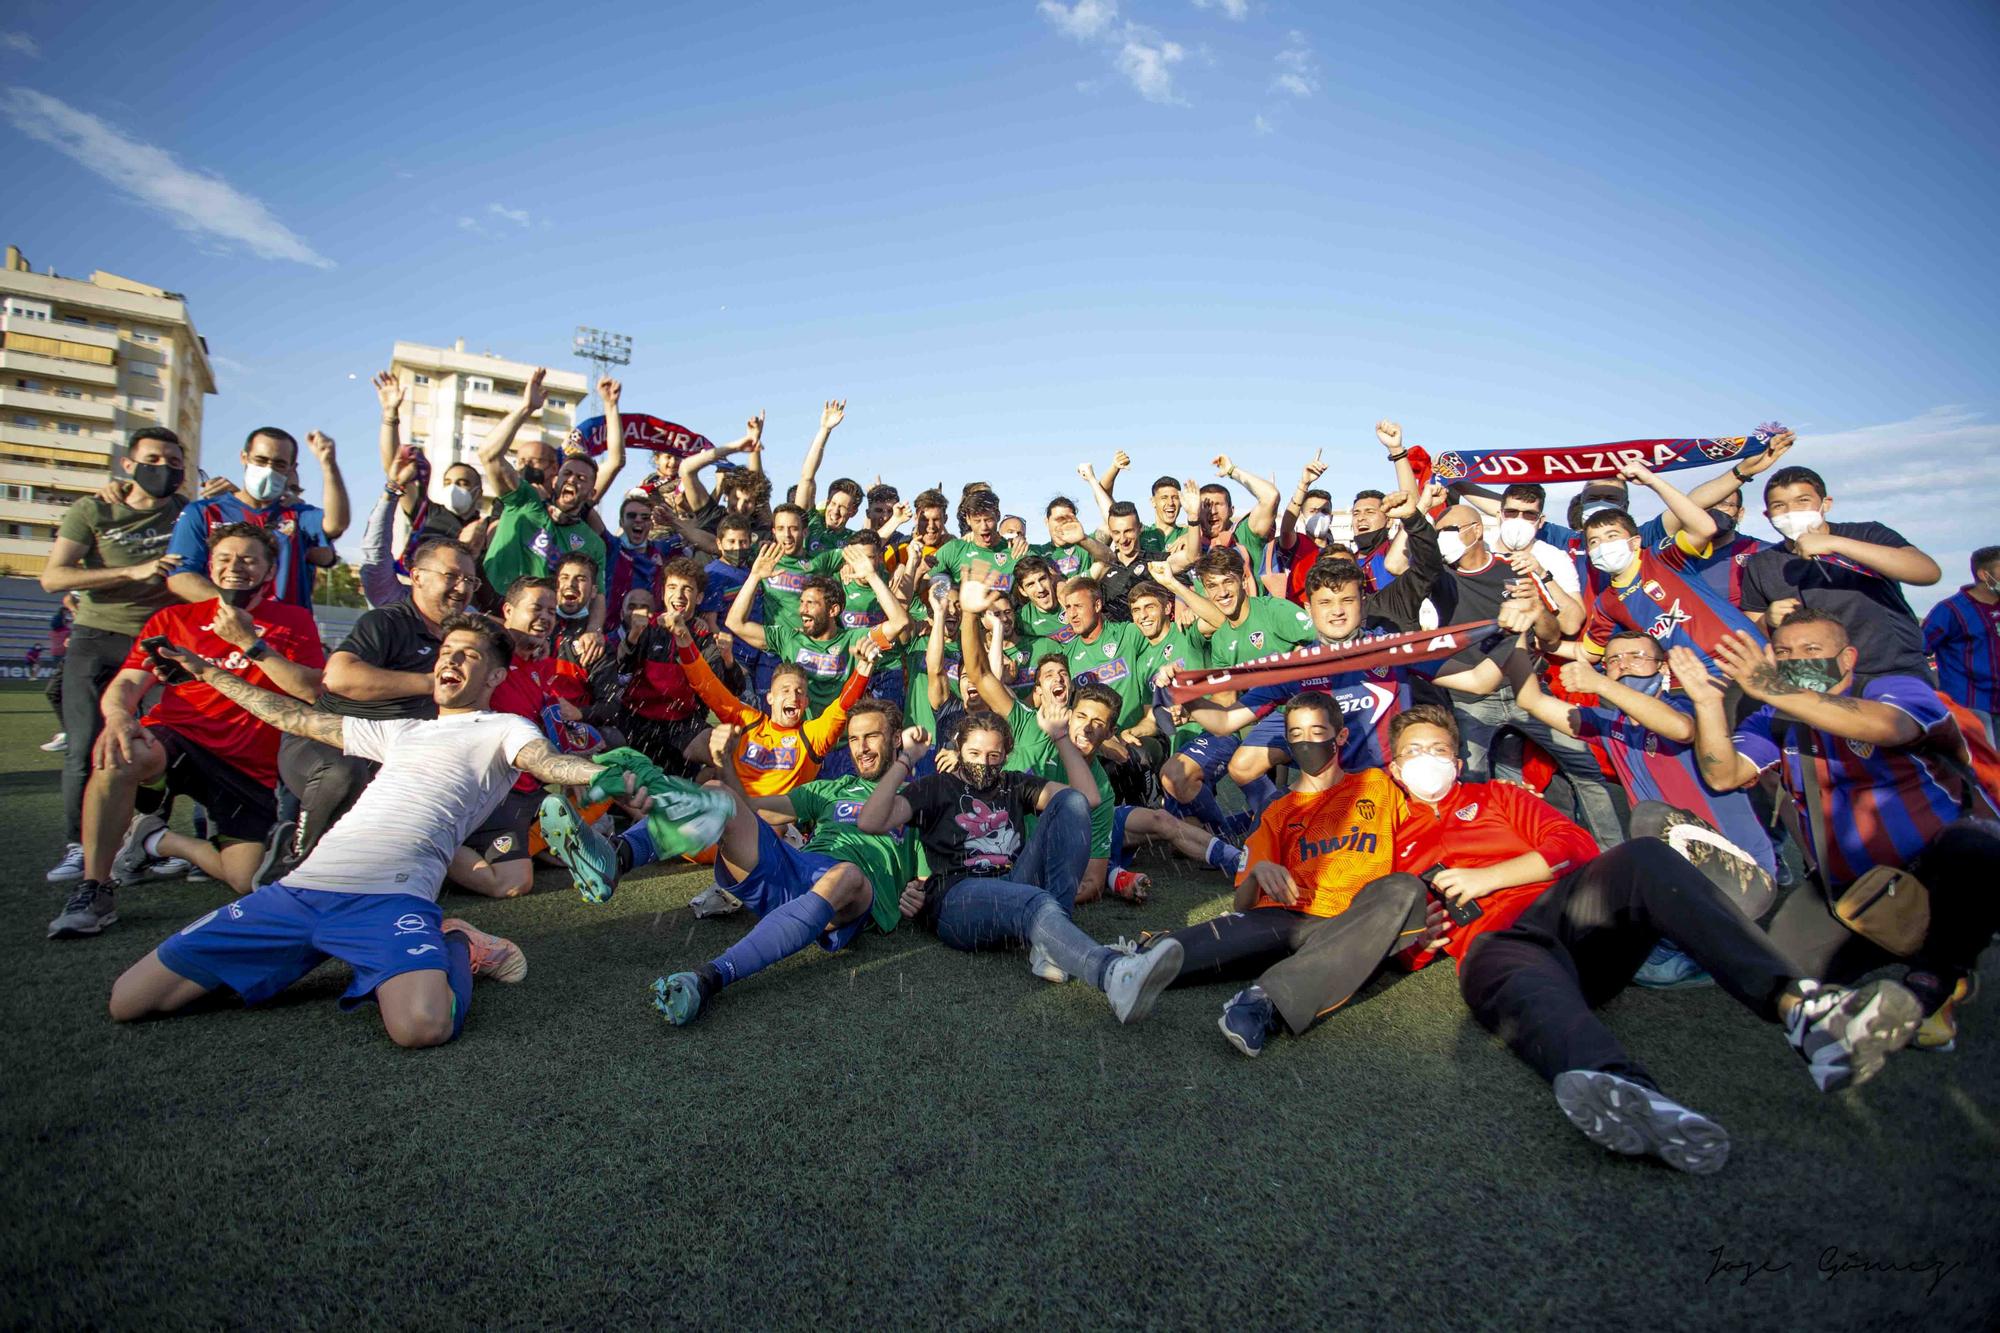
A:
[(608, 391), (501, 478), (1750, 662), (974, 666), (1288, 522), (1725, 484), (1683, 514), (829, 417), (1099, 490), (1207, 613), (1390, 435), (335, 520), (281, 711), (1904, 564), (389, 390), (1723, 766), (726, 706), (1263, 517)]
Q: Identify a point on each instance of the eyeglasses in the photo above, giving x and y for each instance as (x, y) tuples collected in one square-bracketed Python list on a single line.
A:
[(452, 579), (1432, 751), (1506, 512), (1642, 659)]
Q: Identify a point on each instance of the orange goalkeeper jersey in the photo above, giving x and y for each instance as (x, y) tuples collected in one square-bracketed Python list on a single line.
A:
[(770, 759), (1334, 842)]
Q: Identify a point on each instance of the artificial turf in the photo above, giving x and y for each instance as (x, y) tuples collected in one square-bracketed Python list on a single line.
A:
[(903, 1135)]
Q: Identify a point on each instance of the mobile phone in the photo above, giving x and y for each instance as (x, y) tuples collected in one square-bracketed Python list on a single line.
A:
[(169, 671), (1459, 913)]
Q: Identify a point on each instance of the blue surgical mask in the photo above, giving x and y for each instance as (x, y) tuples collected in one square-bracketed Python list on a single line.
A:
[(1649, 686), (264, 484)]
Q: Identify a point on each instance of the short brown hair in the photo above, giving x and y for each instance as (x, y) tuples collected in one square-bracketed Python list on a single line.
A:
[(492, 637), (1423, 715), (256, 534), (681, 567)]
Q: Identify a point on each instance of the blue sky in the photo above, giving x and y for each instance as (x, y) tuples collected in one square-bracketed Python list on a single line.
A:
[(1014, 235)]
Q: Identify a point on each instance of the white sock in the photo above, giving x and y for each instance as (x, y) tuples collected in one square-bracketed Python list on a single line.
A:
[(152, 842)]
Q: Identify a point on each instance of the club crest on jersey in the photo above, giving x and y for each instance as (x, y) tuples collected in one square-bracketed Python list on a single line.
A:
[(1256, 638), (1111, 650), (502, 845), (1365, 808), (1862, 749), (286, 527), (1468, 813)]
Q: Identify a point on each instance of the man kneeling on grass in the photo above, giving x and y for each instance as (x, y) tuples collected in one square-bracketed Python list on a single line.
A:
[(367, 892), (993, 887), (1560, 932)]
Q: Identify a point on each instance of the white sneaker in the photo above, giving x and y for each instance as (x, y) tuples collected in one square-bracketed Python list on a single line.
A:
[(57, 743), (1044, 966), (1844, 1034), (1618, 1114), (168, 867), (70, 867), (1133, 983), (715, 901)]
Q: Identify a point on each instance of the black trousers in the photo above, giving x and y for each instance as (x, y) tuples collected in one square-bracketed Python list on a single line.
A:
[(1308, 965), (93, 658), (1960, 867), (325, 780), (1535, 983)]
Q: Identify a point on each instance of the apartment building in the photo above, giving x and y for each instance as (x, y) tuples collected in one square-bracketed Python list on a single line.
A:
[(83, 363), (452, 399)]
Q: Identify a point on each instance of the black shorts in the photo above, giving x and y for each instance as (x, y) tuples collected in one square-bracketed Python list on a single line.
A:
[(504, 835), (239, 806)]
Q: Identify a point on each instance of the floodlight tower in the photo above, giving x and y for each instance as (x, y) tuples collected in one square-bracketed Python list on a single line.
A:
[(602, 349)]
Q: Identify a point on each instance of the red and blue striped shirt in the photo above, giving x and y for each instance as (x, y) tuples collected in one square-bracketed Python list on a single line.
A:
[(1962, 635), (1664, 599), (1882, 803)]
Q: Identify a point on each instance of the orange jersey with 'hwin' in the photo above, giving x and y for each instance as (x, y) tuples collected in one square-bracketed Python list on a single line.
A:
[(1333, 842)]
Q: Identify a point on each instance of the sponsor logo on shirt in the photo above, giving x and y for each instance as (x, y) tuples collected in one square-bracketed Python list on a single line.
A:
[(765, 759), (784, 581), (1109, 674), (1668, 620), (409, 923), (1354, 840)]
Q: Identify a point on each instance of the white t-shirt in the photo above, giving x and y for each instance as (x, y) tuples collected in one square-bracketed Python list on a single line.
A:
[(1561, 567), (440, 779)]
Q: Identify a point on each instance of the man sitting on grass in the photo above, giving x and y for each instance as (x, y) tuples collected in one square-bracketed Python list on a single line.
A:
[(367, 894)]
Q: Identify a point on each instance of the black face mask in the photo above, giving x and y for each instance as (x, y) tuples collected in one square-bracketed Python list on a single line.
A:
[(979, 777), (158, 480), (240, 597), (1314, 757), (1365, 542), (533, 475), (735, 559)]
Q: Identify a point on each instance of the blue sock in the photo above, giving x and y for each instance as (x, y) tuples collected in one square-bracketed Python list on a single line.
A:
[(1227, 859), (780, 934), (1203, 808), (639, 838), (1258, 793), (458, 971)]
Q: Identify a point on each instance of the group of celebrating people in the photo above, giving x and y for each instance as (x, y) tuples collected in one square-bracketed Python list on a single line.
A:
[(1429, 723)]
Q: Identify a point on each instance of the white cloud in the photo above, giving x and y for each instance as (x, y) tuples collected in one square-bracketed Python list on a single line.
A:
[(21, 44), (1083, 20), (1235, 9), (518, 216), (200, 203), (1298, 71), (1146, 60), (1262, 124)]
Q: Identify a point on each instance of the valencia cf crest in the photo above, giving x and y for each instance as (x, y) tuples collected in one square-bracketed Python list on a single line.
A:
[(1364, 809)]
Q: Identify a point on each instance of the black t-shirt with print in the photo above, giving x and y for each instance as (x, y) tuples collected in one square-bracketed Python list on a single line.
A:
[(1877, 616), (967, 832), (394, 638)]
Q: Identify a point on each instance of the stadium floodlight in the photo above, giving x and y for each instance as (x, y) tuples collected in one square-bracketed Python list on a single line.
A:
[(601, 348)]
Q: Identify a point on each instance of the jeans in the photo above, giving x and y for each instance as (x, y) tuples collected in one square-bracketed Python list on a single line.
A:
[(94, 657), (1308, 965), (1536, 983), (1034, 905), (1479, 716)]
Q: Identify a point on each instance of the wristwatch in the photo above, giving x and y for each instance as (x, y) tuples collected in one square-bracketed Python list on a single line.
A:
[(1741, 480), (258, 651)]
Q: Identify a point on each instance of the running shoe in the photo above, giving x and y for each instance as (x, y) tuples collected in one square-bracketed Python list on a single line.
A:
[(492, 956), (1844, 1034), (89, 910), (57, 743), (70, 867), (1620, 1115), (129, 866), (678, 998), (589, 856), (1133, 982), (714, 901), (1248, 1020), (1667, 968)]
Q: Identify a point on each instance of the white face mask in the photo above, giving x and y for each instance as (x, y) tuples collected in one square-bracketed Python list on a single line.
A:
[(263, 483), (458, 499), (1428, 776), (1796, 523), (1517, 534), (1451, 546), (1613, 557)]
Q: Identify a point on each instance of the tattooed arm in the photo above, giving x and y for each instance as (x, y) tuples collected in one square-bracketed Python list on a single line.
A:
[(1750, 662), (281, 711), (543, 761)]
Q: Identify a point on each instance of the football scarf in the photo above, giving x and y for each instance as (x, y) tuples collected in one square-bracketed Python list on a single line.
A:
[(1380, 651), (1597, 462)]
